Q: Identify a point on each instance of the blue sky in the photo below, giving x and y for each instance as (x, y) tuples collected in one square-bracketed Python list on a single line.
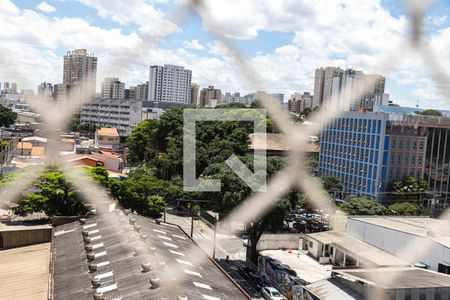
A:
[(284, 41)]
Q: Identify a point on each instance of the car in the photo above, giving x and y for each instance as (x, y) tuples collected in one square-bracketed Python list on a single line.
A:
[(271, 293), (257, 281), (244, 271), (299, 225)]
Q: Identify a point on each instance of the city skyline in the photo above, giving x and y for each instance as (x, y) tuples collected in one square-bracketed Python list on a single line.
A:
[(285, 56)]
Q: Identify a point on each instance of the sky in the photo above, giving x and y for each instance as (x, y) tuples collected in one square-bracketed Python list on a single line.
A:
[(282, 42)]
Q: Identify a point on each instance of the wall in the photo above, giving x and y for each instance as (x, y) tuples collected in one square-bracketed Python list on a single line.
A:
[(23, 237), (278, 241), (399, 243)]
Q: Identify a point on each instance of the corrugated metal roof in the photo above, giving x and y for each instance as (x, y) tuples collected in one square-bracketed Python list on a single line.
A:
[(332, 289), (115, 254)]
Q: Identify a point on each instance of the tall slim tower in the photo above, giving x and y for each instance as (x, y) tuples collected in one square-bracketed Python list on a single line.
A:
[(80, 70), (195, 90), (325, 79)]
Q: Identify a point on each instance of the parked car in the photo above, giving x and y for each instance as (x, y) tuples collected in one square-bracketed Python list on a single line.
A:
[(257, 281), (271, 293), (244, 271)]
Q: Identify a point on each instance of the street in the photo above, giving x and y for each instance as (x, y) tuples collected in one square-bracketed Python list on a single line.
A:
[(229, 245)]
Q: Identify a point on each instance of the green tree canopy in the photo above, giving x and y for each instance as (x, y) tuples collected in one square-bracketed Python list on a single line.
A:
[(7, 116), (333, 186), (408, 209), (362, 206), (141, 143), (430, 112), (53, 195), (408, 188)]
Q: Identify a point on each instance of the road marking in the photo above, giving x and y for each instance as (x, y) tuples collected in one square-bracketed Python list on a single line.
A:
[(202, 285), (179, 236), (193, 273), (164, 237), (185, 262), (170, 245), (176, 252), (210, 297)]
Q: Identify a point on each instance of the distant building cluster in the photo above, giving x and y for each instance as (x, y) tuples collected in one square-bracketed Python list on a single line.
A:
[(336, 87)]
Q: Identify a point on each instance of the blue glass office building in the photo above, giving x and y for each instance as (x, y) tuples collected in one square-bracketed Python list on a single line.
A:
[(367, 150)]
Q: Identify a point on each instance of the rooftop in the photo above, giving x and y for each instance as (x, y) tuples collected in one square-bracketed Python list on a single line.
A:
[(358, 249), (434, 229), (24, 272), (332, 289), (34, 138), (108, 131), (15, 227), (119, 264), (275, 142), (407, 277)]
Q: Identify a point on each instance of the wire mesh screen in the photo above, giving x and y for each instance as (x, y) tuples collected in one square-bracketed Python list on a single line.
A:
[(295, 174)]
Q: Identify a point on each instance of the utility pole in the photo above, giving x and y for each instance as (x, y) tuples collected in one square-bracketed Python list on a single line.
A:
[(214, 239), (192, 226)]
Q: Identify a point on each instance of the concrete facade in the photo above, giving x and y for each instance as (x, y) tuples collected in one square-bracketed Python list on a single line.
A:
[(114, 113), (170, 84)]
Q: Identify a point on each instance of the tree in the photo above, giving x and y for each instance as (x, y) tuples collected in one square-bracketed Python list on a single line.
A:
[(430, 112), (408, 188), (7, 116), (54, 196), (141, 142), (362, 206), (147, 195), (235, 191), (408, 209), (333, 186)]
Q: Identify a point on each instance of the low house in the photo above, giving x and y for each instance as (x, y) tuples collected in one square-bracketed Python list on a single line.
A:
[(36, 141), (86, 160), (107, 138), (38, 151), (24, 149), (67, 144), (342, 249), (110, 161)]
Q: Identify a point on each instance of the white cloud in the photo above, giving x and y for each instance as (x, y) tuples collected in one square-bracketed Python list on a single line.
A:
[(150, 21), (46, 8), (355, 33), (193, 44)]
